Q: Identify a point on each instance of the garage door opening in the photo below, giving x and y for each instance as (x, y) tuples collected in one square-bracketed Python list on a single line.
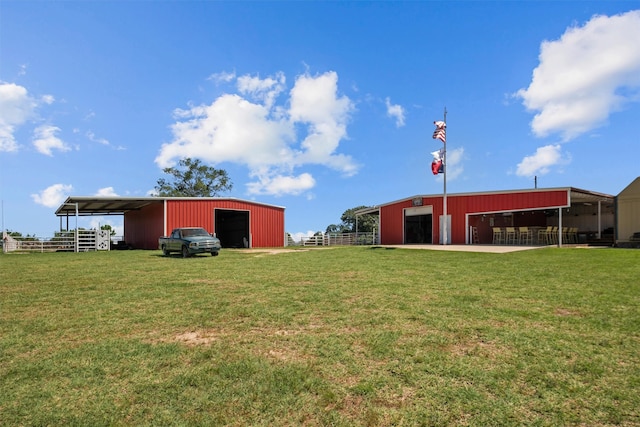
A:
[(418, 225), (232, 228)]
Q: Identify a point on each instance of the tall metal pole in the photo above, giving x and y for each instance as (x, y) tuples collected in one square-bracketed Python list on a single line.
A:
[(444, 198), (76, 233)]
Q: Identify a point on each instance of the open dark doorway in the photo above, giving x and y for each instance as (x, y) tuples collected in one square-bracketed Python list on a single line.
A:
[(418, 229), (232, 228)]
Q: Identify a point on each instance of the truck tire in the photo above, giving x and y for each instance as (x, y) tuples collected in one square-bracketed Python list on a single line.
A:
[(165, 252), (214, 253), (185, 252)]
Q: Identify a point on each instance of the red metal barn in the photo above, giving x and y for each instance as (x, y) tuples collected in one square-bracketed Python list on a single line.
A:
[(237, 223), (417, 220)]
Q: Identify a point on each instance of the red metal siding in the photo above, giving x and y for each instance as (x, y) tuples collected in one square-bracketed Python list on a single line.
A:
[(391, 225), (142, 228), (392, 216), (392, 220), (510, 201), (266, 223)]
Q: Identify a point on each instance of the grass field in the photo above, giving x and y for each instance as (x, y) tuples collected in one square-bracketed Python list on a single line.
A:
[(352, 336)]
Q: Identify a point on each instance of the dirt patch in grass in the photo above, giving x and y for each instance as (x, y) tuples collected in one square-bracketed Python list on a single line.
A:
[(286, 355), (483, 349), (280, 349), (193, 338), (276, 251), (563, 312)]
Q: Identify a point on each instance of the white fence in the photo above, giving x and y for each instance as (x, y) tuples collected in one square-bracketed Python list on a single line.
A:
[(340, 239), (67, 241)]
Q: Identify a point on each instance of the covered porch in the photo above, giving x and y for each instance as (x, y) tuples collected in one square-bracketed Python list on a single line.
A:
[(587, 218)]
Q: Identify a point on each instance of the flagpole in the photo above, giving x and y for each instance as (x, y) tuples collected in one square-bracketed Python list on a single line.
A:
[(444, 198)]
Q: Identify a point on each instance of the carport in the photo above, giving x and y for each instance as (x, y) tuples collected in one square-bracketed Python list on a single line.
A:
[(238, 223), (101, 206), (77, 206)]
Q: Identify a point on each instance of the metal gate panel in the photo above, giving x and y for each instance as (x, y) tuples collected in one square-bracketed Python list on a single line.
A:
[(103, 240)]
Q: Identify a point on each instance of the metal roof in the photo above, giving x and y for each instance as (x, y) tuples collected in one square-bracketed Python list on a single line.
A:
[(576, 195), (584, 196), (97, 205), (104, 205)]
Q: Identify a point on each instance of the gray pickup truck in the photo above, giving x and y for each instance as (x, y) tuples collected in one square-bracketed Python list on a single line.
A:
[(189, 241)]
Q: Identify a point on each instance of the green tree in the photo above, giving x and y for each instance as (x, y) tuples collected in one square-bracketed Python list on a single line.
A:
[(333, 228), (193, 179), (366, 223), (112, 232), (18, 236), (63, 235)]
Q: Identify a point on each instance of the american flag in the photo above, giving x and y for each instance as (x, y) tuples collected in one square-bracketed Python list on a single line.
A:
[(441, 131)]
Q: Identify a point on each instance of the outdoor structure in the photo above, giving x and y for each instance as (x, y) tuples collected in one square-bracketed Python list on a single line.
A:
[(68, 241), (475, 218), (628, 215), (237, 223)]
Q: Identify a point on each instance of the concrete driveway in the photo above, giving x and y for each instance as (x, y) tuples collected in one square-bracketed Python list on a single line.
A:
[(494, 249)]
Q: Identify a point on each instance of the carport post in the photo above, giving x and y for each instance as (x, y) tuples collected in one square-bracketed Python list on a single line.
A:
[(75, 234), (560, 227), (599, 219)]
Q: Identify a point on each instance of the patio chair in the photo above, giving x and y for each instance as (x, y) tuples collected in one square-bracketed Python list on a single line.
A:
[(524, 236), (498, 236)]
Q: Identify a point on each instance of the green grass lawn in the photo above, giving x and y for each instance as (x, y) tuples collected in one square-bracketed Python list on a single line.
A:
[(349, 336)]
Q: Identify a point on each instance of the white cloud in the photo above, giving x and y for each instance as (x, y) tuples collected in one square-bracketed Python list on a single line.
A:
[(590, 72), (95, 222), (297, 237), (102, 141), (231, 129), (455, 167), (395, 111), (53, 196), (264, 90), (45, 140), (263, 136), (540, 162), (106, 192), (93, 138), (314, 102), (223, 77), (279, 185), (16, 107)]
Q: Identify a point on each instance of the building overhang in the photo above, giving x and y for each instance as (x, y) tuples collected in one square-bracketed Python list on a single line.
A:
[(115, 205), (90, 206), (576, 195)]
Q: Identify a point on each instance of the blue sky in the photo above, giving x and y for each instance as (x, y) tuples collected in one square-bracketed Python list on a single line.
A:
[(315, 106)]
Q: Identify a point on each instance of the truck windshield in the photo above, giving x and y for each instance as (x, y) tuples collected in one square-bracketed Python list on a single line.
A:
[(194, 232)]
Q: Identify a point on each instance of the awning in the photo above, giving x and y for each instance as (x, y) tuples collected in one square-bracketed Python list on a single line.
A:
[(116, 205), (584, 196), (88, 206)]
